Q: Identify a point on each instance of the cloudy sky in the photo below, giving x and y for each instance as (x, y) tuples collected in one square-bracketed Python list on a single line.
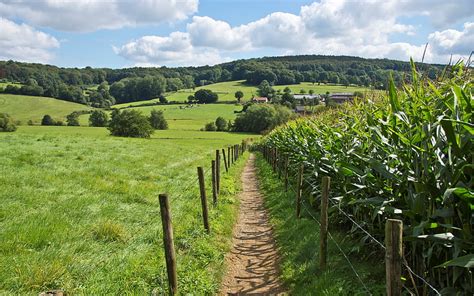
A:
[(123, 33)]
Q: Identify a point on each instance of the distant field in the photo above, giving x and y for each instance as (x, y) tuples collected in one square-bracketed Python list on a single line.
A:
[(24, 108), (4, 84), (226, 91), (182, 117), (79, 211)]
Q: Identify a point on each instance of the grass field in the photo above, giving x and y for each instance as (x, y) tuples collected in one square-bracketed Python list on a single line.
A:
[(182, 117), (24, 108), (79, 211)]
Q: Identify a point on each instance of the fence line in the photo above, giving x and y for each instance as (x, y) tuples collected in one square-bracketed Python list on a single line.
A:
[(337, 205), (340, 250)]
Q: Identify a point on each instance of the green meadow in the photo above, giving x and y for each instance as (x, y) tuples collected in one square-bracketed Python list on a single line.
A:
[(24, 108), (79, 211)]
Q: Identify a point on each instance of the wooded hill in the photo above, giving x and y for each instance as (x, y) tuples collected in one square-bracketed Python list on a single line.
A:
[(132, 84)]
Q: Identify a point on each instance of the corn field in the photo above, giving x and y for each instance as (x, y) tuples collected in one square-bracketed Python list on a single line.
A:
[(406, 154)]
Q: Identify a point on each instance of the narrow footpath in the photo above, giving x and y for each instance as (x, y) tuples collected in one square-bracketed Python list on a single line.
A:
[(253, 261)]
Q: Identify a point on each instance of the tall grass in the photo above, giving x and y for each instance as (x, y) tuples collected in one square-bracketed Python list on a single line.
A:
[(407, 155)]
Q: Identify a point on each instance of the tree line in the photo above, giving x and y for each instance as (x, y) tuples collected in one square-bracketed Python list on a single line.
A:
[(133, 84)]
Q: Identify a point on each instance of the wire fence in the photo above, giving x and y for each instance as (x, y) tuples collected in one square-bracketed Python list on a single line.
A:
[(293, 167)]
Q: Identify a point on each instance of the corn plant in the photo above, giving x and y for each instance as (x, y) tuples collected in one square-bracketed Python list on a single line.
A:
[(406, 154)]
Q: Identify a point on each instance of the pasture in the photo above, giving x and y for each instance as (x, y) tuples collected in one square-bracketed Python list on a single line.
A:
[(79, 211), (182, 117), (24, 108)]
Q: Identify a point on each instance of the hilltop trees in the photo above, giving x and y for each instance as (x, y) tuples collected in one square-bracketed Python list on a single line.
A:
[(6, 123), (205, 96)]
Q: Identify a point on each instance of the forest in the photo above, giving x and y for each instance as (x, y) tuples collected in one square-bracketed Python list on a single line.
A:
[(134, 84)]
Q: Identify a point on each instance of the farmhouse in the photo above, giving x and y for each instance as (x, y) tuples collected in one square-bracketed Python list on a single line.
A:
[(260, 100), (340, 98)]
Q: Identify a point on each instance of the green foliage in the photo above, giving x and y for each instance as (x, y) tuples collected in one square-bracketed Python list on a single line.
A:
[(239, 95), (137, 89), (221, 124), (73, 119), (98, 118), (265, 89), (205, 96), (48, 120), (130, 123), (210, 127), (260, 118), (406, 155), (157, 120), (6, 123)]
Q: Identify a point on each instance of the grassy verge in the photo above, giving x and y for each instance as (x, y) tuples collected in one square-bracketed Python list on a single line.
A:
[(298, 243)]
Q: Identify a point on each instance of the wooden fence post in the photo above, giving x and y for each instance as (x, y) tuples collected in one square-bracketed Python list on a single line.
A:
[(170, 254), (299, 190), (287, 163), (228, 156), (225, 161), (323, 233), (393, 256), (214, 182), (202, 189), (218, 171)]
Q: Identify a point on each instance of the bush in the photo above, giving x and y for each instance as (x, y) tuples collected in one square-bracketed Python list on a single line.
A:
[(130, 123), (6, 123), (221, 124), (98, 118), (73, 119), (157, 120), (210, 127), (205, 96), (262, 118), (48, 120)]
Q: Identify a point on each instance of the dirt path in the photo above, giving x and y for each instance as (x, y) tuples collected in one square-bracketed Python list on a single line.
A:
[(253, 261)]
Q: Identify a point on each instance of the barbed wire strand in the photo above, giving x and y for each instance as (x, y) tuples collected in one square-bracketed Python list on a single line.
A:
[(410, 270), (340, 250)]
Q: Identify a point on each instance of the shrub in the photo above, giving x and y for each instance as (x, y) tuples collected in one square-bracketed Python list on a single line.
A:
[(210, 127), (73, 119), (30, 122), (48, 120), (157, 120), (130, 123), (6, 123), (98, 118), (206, 96), (221, 124), (262, 118)]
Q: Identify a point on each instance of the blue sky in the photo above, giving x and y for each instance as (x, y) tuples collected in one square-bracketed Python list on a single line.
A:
[(127, 33)]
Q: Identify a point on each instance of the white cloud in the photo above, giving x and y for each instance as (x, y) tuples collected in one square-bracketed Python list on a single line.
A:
[(91, 15), (207, 32), (24, 43), (175, 49), (452, 41), (333, 27)]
